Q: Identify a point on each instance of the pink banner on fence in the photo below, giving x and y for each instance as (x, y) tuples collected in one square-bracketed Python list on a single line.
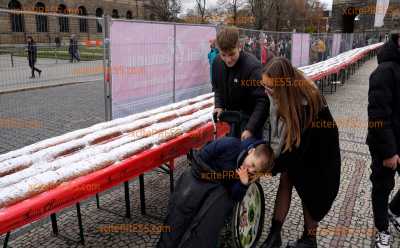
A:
[(141, 62), (296, 49), (305, 50), (192, 46), (300, 49)]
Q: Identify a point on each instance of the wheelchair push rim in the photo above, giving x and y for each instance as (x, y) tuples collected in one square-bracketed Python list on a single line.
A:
[(249, 217)]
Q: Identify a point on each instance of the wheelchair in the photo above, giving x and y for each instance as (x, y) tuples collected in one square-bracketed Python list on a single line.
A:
[(243, 229)]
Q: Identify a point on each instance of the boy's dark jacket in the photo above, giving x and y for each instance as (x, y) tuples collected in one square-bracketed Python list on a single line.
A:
[(219, 158), (384, 103)]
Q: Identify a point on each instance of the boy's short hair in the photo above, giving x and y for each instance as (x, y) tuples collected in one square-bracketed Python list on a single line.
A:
[(265, 151), (228, 39)]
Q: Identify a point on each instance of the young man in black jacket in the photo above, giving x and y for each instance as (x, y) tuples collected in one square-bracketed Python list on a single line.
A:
[(236, 83), (384, 138)]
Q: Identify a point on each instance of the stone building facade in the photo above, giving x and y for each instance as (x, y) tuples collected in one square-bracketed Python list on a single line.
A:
[(14, 28), (359, 15)]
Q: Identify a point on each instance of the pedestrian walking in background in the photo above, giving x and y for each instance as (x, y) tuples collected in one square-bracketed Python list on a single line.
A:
[(73, 49), (32, 56)]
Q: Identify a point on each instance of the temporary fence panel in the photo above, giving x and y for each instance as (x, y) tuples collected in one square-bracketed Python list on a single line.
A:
[(336, 44), (154, 63), (192, 69), (68, 94), (141, 66), (300, 49)]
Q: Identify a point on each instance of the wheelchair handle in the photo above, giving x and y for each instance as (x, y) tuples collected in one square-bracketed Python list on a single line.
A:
[(231, 117)]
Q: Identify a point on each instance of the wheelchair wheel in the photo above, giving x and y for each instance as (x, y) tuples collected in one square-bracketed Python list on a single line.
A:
[(248, 217), (245, 227)]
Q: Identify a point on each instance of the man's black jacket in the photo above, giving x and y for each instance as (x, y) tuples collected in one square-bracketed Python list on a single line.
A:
[(233, 92), (32, 52), (384, 102)]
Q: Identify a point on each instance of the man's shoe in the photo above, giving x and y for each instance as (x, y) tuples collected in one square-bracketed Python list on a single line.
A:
[(382, 239), (274, 240), (304, 242), (40, 72), (395, 220)]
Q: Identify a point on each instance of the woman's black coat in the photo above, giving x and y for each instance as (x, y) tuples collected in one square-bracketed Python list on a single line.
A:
[(314, 167)]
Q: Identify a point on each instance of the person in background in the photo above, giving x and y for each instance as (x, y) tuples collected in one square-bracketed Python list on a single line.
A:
[(212, 55), (258, 49), (32, 56), (384, 139), (321, 48), (57, 40), (247, 45), (264, 52), (73, 49)]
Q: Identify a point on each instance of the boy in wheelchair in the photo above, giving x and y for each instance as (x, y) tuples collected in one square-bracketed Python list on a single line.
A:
[(206, 192)]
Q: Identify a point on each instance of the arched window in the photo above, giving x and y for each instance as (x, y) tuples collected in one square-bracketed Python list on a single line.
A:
[(99, 13), (41, 20), (115, 13), (17, 20), (63, 21), (129, 14), (83, 23)]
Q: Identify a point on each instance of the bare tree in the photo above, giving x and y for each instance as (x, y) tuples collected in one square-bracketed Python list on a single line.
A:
[(165, 10), (201, 8), (233, 6), (286, 14)]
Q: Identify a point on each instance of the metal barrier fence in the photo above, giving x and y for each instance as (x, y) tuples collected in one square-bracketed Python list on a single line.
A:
[(69, 53), (68, 49), (161, 64), (72, 53), (319, 46)]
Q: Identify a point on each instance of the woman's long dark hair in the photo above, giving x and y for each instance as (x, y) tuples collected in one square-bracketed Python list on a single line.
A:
[(291, 88)]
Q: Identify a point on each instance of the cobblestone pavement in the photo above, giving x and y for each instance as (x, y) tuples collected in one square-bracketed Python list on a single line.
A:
[(352, 211), (44, 113)]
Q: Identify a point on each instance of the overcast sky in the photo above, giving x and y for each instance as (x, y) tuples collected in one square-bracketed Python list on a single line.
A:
[(189, 4)]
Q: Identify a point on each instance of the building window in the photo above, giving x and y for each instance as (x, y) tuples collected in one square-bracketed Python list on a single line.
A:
[(99, 13), (41, 20), (83, 22), (17, 20), (129, 14), (115, 13), (63, 21)]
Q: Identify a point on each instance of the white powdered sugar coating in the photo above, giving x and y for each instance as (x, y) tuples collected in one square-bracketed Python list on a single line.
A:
[(42, 166)]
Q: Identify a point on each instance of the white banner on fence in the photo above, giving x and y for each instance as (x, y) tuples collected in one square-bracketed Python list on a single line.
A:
[(380, 12), (337, 38), (142, 64)]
